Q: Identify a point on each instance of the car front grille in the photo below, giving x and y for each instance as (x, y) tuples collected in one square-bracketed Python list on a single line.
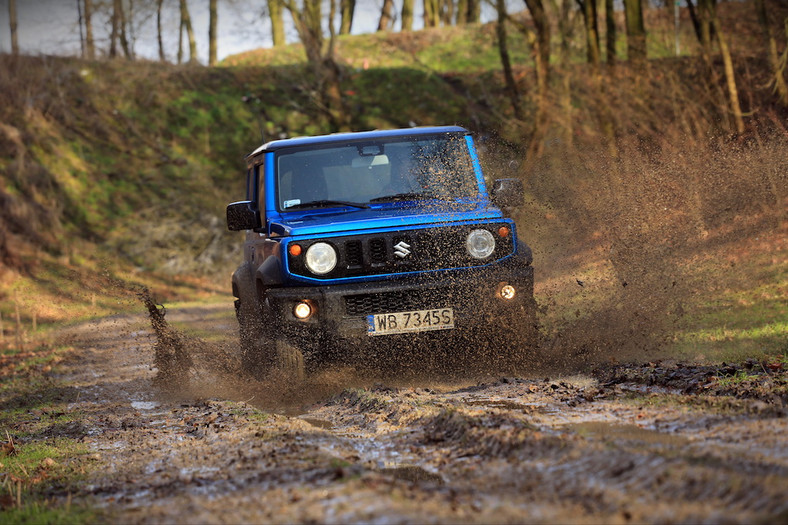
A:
[(394, 301), (421, 250)]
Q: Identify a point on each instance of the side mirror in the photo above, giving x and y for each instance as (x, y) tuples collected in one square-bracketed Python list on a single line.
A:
[(242, 216), (508, 193)]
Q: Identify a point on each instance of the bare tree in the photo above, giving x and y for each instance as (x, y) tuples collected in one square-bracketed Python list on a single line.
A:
[(347, 9), (407, 15), (432, 13), (212, 32), (307, 18), (386, 18), (708, 27), (588, 8), (162, 57), (90, 46), (186, 23), (277, 22), (541, 45), (701, 23), (566, 26), (113, 36), (474, 11), (636, 31), (13, 26), (446, 8), (468, 11), (462, 12), (610, 32), (119, 31), (81, 34), (774, 59), (730, 78), (506, 63)]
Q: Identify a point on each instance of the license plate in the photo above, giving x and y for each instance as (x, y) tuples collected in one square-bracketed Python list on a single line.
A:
[(414, 321)]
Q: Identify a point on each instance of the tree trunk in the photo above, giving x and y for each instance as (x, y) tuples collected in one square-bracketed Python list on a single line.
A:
[(432, 13), (730, 78), (503, 51), (407, 15), (588, 8), (81, 33), (347, 8), (774, 59), (118, 22), (277, 22), (542, 62), (610, 33), (124, 42), (187, 25), (13, 25), (542, 25), (180, 42), (446, 12), (212, 33), (636, 31), (462, 12), (474, 11), (706, 9), (386, 19), (90, 46), (162, 58), (565, 27)]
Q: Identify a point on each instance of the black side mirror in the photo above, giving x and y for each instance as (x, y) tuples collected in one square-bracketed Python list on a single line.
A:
[(508, 193), (242, 216)]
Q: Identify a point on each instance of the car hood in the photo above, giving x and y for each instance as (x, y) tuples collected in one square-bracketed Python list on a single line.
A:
[(351, 219)]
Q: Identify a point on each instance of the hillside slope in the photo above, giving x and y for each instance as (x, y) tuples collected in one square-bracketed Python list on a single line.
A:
[(116, 174)]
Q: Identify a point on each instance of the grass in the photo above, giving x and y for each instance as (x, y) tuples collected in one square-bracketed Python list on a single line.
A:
[(39, 467), (37, 482)]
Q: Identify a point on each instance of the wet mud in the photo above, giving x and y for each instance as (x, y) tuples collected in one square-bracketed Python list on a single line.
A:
[(653, 442)]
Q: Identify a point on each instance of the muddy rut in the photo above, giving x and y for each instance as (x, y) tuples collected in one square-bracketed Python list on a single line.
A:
[(653, 442)]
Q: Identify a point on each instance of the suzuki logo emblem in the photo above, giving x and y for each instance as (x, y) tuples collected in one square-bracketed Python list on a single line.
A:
[(402, 249)]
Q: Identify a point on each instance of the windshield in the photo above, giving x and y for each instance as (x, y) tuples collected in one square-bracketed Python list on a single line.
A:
[(356, 174)]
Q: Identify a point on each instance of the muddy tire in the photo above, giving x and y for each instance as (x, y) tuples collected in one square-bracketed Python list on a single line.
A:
[(289, 362), (255, 350), (518, 346)]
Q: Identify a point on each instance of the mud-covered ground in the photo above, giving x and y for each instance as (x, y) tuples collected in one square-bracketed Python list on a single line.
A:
[(655, 442)]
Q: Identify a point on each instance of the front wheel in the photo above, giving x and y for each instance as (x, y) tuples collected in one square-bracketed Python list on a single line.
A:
[(288, 362), (517, 344), (255, 348)]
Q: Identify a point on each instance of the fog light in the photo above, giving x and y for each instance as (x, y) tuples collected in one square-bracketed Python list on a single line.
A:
[(507, 292), (302, 310)]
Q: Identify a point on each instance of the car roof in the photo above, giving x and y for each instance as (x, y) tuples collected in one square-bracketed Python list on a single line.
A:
[(355, 136)]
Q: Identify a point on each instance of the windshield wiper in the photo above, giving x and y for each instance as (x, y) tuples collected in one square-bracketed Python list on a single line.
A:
[(408, 196), (327, 202)]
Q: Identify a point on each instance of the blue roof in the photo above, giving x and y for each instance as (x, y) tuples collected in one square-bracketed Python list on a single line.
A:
[(356, 136)]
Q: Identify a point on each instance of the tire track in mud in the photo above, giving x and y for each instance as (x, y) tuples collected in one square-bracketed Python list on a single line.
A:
[(648, 443)]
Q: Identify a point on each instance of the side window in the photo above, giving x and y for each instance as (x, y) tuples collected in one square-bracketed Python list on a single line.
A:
[(259, 174), (251, 186)]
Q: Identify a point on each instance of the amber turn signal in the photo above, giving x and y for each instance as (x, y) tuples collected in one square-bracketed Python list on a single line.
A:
[(294, 250), (503, 231)]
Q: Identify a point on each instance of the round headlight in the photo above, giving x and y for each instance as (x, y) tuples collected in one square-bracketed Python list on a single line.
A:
[(321, 258), (480, 244)]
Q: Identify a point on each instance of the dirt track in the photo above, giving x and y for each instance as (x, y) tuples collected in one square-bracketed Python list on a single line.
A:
[(649, 443)]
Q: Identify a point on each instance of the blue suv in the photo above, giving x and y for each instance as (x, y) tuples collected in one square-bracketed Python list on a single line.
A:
[(361, 245)]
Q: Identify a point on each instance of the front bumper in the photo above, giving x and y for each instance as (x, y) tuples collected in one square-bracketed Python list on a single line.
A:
[(340, 311)]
